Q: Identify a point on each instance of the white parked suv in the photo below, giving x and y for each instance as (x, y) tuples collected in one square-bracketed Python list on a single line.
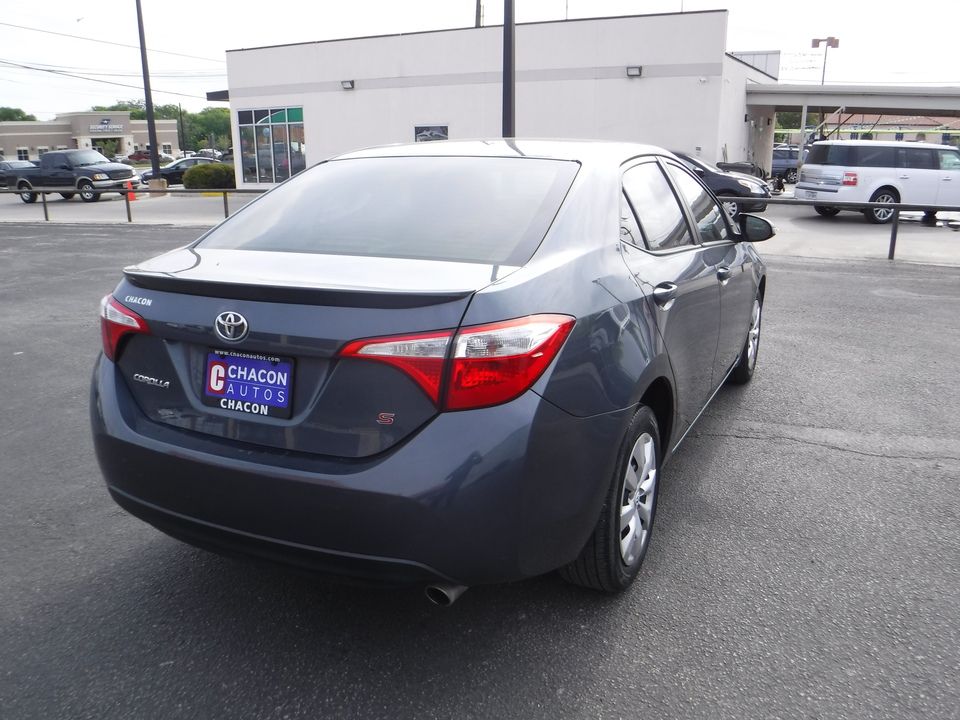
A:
[(880, 171)]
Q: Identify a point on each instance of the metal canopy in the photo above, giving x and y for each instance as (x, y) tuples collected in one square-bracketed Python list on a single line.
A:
[(867, 99)]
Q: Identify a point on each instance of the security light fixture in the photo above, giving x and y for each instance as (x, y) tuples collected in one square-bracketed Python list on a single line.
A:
[(346, 84), (830, 42), (634, 71)]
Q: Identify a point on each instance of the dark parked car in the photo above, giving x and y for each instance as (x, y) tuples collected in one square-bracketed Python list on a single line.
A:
[(753, 191), (173, 172), (785, 162), (445, 364), (86, 173), (12, 165)]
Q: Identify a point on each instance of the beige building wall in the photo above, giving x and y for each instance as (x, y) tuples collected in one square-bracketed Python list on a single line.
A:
[(84, 130)]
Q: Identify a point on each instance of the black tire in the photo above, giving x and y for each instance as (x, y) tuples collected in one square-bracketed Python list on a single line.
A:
[(67, 196), (742, 372), (87, 194), (614, 553), (26, 195), (879, 216), (790, 176), (826, 210)]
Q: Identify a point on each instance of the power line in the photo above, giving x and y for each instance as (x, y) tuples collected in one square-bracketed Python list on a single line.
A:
[(60, 73), (107, 42)]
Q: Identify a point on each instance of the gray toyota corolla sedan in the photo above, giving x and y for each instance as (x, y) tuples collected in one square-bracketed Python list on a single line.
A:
[(448, 363)]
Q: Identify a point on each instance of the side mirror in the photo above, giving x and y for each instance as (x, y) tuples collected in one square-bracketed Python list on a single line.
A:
[(756, 229), (64, 166)]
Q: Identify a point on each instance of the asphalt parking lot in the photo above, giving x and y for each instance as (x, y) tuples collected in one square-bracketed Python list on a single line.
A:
[(805, 562)]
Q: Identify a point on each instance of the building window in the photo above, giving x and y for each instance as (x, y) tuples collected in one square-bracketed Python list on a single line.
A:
[(23, 154), (166, 148), (42, 150), (61, 147), (271, 144)]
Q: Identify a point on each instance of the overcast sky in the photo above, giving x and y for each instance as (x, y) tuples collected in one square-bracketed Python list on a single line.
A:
[(40, 72)]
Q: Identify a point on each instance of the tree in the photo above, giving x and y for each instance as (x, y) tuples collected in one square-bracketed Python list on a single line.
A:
[(9, 113), (209, 121), (137, 108)]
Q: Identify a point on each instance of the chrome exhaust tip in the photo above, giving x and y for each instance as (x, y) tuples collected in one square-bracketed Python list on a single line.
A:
[(444, 594)]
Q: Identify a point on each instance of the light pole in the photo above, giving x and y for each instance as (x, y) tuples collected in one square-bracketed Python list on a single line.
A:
[(830, 42)]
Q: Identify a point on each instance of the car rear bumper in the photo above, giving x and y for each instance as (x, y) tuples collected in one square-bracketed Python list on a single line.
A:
[(475, 497)]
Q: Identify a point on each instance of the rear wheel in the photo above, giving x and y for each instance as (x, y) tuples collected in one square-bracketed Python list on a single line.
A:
[(87, 193), (67, 196), (826, 210), (612, 556), (26, 195), (743, 371), (790, 176), (878, 216)]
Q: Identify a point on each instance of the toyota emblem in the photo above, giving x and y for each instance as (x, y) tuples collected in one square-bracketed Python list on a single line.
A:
[(231, 326)]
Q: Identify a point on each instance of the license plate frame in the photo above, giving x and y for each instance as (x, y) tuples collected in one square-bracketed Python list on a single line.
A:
[(248, 383)]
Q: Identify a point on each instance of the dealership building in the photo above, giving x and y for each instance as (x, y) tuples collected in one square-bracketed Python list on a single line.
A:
[(661, 79), (28, 140)]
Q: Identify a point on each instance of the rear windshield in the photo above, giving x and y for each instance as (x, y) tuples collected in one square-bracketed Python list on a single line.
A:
[(484, 210)]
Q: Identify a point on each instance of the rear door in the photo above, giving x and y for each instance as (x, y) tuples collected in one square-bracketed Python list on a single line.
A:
[(677, 277), (918, 175)]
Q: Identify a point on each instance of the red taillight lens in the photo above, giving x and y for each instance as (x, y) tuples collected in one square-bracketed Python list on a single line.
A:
[(116, 322), (489, 364), (420, 356), (849, 178), (495, 363)]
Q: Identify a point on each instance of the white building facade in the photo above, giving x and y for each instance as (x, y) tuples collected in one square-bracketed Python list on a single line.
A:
[(660, 79)]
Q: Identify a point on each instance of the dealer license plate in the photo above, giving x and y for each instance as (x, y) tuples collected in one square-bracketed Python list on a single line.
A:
[(248, 383), (810, 194)]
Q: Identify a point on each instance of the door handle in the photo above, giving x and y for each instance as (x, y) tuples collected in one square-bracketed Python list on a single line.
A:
[(664, 294)]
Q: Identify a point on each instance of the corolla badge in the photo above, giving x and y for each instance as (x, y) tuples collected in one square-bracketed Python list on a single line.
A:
[(231, 326)]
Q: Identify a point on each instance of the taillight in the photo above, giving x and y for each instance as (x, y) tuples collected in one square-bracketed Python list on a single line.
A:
[(420, 356), (849, 178), (495, 363), (116, 321), (488, 365)]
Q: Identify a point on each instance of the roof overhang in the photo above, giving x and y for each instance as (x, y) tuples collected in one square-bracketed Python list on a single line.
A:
[(889, 100)]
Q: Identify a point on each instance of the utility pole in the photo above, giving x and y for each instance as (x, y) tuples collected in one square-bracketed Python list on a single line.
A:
[(148, 98), (509, 71)]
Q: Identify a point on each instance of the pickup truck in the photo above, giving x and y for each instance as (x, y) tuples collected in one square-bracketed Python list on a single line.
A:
[(72, 172)]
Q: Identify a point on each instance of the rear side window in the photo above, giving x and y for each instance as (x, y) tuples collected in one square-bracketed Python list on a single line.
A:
[(656, 208), (921, 158), (869, 156), (463, 209)]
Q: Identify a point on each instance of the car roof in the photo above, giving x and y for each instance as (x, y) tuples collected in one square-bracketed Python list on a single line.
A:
[(591, 151)]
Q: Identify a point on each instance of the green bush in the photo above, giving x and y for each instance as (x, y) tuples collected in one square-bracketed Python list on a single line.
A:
[(210, 176)]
